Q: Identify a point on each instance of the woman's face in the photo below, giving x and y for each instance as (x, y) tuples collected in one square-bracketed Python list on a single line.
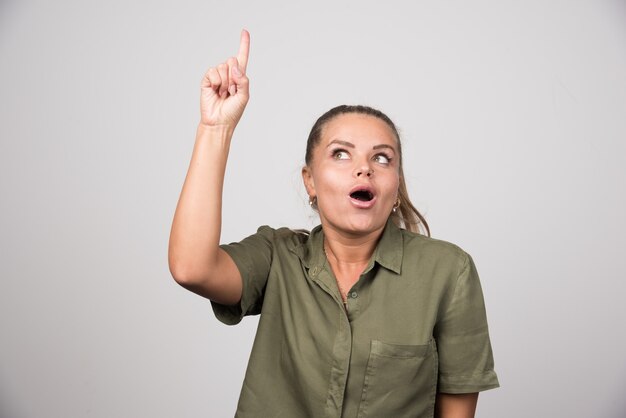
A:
[(354, 174)]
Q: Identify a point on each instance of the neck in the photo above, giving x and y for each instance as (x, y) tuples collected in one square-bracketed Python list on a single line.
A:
[(348, 249)]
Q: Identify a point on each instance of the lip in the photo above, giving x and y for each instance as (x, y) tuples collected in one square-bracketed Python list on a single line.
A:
[(361, 204)]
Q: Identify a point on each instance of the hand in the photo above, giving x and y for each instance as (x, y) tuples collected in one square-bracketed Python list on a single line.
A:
[(224, 90)]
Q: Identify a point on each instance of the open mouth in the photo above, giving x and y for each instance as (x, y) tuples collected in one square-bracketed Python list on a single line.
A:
[(362, 195)]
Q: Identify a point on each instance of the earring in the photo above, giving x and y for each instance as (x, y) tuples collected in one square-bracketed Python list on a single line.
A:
[(396, 206), (312, 201)]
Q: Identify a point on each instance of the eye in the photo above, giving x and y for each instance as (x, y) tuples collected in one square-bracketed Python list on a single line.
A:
[(382, 159), (341, 154)]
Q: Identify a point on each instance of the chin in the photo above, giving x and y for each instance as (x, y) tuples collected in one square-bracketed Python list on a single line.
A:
[(359, 224)]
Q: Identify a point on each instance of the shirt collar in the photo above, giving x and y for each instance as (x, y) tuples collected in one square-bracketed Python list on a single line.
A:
[(388, 252), (390, 248)]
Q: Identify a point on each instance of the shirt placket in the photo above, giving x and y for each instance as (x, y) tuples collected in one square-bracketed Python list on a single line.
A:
[(342, 347)]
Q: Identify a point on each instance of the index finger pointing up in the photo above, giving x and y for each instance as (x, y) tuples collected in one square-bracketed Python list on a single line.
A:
[(244, 49)]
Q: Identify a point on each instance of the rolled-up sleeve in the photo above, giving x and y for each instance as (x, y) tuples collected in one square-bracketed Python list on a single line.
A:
[(253, 258), (465, 357)]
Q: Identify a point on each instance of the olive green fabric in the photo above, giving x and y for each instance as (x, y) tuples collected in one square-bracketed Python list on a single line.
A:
[(415, 324)]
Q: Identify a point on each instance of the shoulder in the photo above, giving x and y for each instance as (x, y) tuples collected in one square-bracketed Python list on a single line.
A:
[(418, 242), (283, 236), (424, 249), (284, 233)]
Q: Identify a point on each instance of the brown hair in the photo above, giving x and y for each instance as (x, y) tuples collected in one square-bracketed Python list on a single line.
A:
[(406, 216)]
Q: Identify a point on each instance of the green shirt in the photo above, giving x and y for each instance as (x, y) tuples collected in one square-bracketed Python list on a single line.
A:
[(415, 324)]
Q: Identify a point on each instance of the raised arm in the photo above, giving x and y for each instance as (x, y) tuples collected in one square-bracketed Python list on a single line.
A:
[(195, 259)]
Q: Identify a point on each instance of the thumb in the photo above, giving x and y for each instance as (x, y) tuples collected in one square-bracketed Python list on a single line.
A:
[(240, 79)]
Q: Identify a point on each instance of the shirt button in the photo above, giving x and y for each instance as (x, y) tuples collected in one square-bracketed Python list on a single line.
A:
[(354, 295), (314, 271)]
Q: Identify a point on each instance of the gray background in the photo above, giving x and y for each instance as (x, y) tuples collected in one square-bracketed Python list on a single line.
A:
[(513, 117)]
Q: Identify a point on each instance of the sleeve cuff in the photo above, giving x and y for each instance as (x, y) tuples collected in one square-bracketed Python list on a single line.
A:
[(468, 384)]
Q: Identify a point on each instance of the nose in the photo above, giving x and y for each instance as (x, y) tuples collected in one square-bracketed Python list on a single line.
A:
[(363, 171)]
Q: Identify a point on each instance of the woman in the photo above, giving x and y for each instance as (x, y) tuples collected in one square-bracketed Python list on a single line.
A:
[(360, 318)]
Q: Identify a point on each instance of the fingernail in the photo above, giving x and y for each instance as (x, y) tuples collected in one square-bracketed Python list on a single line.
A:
[(232, 90), (236, 71)]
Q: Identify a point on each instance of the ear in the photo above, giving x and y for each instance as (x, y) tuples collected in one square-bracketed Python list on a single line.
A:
[(309, 184)]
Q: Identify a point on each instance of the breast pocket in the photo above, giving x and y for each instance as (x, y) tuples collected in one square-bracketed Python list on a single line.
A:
[(400, 381)]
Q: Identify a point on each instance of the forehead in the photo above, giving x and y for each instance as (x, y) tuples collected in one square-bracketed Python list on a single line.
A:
[(357, 128)]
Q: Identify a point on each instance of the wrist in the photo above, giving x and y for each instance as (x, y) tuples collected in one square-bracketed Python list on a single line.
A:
[(221, 133)]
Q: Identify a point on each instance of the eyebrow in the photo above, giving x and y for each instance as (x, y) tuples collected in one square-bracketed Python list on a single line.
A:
[(384, 146), (340, 142), (351, 145)]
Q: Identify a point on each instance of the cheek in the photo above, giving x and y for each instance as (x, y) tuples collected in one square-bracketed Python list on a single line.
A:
[(391, 192), (327, 180), (392, 185), (327, 186)]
